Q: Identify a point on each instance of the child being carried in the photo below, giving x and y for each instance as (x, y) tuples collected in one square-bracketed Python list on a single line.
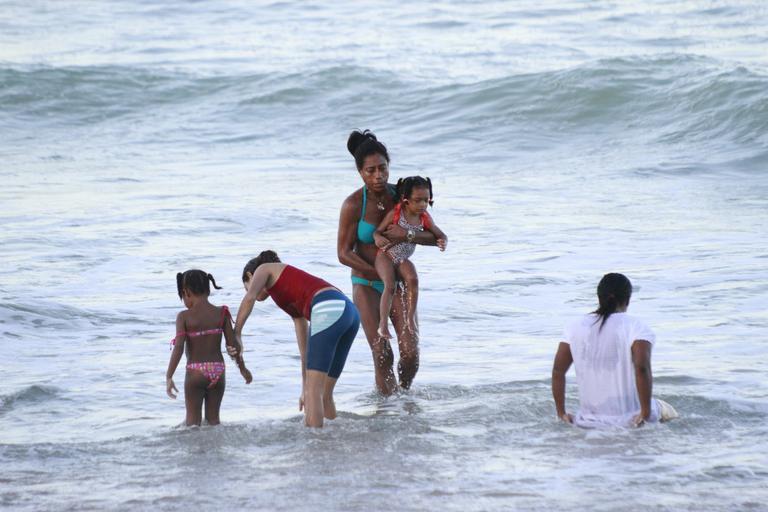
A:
[(414, 195)]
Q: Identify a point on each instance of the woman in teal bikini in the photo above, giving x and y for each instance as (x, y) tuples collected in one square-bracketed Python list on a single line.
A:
[(361, 213)]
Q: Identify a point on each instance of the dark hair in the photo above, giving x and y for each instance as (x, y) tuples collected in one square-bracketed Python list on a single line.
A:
[(195, 281), (405, 187), (364, 144), (614, 290), (263, 257)]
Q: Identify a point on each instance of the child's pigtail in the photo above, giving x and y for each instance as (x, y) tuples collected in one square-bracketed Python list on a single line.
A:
[(180, 284), (399, 189), (429, 183), (212, 280)]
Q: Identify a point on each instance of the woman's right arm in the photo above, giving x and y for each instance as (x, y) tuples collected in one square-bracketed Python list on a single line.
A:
[(345, 245), (302, 335), (563, 361), (396, 233)]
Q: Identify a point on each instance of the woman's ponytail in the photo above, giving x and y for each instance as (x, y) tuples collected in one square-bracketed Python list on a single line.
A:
[(362, 144), (267, 256), (613, 292)]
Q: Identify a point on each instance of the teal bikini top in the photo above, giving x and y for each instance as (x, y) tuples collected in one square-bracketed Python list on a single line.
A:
[(365, 229)]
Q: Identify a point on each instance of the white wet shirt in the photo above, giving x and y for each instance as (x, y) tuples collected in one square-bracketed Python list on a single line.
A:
[(602, 358)]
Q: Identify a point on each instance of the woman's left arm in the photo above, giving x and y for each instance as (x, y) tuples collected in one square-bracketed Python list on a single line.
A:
[(396, 233), (563, 361), (302, 335)]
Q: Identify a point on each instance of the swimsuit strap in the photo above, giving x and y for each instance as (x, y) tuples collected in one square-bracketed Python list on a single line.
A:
[(362, 214), (423, 218), (425, 222), (218, 330), (398, 211), (224, 314), (195, 334)]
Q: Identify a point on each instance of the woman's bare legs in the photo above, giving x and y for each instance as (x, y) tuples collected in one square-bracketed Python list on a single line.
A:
[(329, 406), (410, 278), (386, 270), (368, 301), (408, 340), (313, 398)]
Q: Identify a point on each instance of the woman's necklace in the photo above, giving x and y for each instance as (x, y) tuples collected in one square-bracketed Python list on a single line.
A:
[(379, 203)]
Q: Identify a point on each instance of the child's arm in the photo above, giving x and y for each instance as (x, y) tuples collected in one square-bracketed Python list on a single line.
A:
[(229, 337), (302, 334), (381, 241), (178, 350), (440, 237)]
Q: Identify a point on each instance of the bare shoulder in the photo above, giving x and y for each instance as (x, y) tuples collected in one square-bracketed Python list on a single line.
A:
[(352, 202), (355, 198), (272, 269)]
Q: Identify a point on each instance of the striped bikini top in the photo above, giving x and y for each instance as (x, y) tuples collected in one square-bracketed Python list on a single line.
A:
[(218, 330)]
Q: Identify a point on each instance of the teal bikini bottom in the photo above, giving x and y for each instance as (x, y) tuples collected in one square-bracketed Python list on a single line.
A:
[(376, 285)]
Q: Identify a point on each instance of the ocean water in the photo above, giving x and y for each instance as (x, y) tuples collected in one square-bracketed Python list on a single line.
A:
[(565, 139)]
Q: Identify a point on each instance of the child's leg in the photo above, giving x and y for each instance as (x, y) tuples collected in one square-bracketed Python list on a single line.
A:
[(386, 270), (194, 394), (213, 398), (407, 271)]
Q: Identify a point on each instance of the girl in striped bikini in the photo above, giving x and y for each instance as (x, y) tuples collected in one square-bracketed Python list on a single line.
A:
[(199, 329)]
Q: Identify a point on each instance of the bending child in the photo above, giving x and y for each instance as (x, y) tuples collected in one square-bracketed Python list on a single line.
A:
[(414, 194), (199, 329)]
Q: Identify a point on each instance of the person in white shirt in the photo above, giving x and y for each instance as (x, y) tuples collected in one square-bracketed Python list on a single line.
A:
[(611, 352)]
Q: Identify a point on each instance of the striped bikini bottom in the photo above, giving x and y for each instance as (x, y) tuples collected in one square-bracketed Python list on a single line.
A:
[(213, 370)]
